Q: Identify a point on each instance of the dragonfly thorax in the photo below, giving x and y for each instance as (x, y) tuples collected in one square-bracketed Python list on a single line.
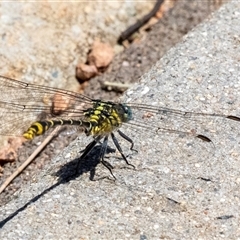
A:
[(106, 117)]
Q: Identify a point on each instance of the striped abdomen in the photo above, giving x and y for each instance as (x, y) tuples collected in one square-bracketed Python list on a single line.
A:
[(40, 127)]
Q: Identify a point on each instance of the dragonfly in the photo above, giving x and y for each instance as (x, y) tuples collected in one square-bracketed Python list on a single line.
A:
[(31, 110)]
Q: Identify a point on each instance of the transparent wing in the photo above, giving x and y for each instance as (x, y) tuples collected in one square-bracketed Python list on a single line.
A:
[(21, 104), (174, 113), (161, 119), (176, 135)]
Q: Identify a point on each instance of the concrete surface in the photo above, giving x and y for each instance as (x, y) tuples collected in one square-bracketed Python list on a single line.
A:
[(182, 188), (126, 67)]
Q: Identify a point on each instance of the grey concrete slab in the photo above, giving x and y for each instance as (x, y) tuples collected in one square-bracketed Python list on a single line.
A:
[(182, 187)]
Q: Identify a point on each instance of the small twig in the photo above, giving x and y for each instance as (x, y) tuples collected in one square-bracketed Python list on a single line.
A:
[(30, 159), (121, 87), (133, 28)]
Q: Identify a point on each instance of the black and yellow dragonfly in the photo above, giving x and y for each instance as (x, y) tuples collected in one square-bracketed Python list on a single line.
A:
[(31, 110)]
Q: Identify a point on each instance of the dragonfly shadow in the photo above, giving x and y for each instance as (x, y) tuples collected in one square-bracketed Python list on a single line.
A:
[(89, 163), (65, 174)]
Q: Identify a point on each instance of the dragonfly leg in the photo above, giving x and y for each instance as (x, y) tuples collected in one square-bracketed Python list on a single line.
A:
[(115, 141)]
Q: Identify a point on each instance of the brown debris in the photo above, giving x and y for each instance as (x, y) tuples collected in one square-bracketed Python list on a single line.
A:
[(9, 152), (85, 72), (98, 60), (147, 115), (60, 103), (101, 55)]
